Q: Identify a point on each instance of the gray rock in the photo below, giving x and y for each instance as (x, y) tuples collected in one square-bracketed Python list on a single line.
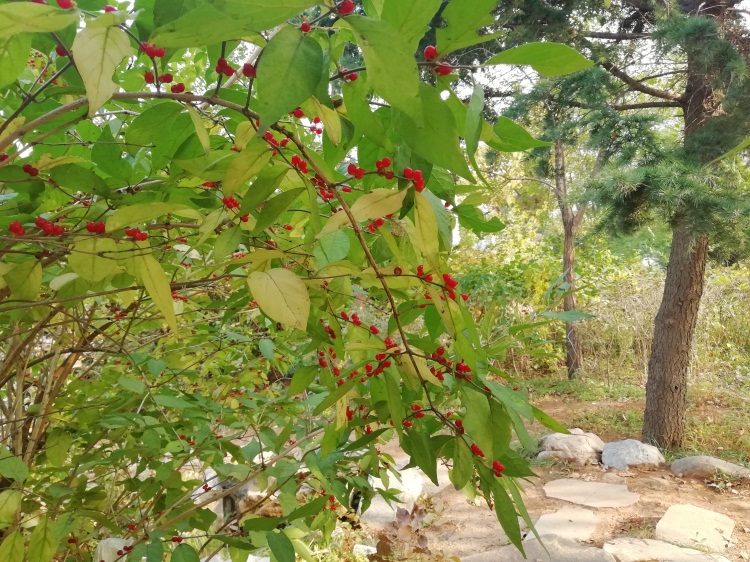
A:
[(622, 454), (571, 523), (579, 447), (628, 549), (558, 550), (591, 494), (688, 525), (107, 549), (409, 489), (706, 467)]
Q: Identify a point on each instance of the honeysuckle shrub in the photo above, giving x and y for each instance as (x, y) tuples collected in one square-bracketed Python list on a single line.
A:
[(224, 253)]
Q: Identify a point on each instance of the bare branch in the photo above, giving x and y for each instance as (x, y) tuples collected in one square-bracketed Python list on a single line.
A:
[(637, 85)]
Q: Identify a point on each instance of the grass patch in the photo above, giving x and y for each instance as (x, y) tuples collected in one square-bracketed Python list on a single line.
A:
[(582, 390), (625, 424)]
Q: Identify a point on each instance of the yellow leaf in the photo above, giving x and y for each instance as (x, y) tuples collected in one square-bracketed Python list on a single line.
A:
[(427, 238), (12, 127), (337, 221), (245, 131), (10, 504), (155, 281), (406, 365), (247, 164), (378, 203), (47, 161), (331, 120), (200, 130), (281, 295), (94, 258), (98, 51)]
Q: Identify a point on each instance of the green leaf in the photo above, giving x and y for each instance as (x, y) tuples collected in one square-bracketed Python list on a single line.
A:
[(502, 428), (281, 295), (25, 280), (301, 379), (477, 419), (248, 163), (472, 218), (506, 514), (132, 385), (184, 553), (94, 259), (463, 465), (465, 18), (548, 59), (548, 421), (288, 74), (736, 150), (436, 139), (43, 542), (411, 18), (366, 122), (226, 243), (331, 248), (166, 125), (14, 51), (22, 17), (264, 185), (155, 281), (145, 212), (98, 52), (267, 347), (12, 467), (391, 67), (200, 129), (10, 504), (512, 137), (58, 447), (378, 203), (474, 123), (427, 230), (281, 547), (567, 316), (13, 548), (275, 207)]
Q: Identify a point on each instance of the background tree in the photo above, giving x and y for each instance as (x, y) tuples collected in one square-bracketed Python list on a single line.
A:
[(653, 56)]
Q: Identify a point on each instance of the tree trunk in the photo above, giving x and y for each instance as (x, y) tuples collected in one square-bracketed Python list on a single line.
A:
[(571, 220), (674, 326), (666, 389), (573, 351)]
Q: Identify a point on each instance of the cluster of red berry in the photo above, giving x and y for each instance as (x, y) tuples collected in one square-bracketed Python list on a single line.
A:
[(230, 203), (96, 227), (31, 170), (49, 227), (223, 67), (416, 177), (136, 234), (152, 51)]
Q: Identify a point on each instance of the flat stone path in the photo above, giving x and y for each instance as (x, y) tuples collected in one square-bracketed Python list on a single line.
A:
[(590, 494), (688, 525)]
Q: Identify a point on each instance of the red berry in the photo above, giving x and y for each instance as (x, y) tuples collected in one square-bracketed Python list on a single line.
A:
[(346, 7), (351, 77), (109, 8), (249, 71), (430, 52), (149, 77), (464, 296), (61, 52), (66, 4), (16, 228), (408, 173), (407, 423), (178, 88), (443, 68), (298, 113), (397, 271), (288, 227), (476, 450), (165, 78), (305, 27)]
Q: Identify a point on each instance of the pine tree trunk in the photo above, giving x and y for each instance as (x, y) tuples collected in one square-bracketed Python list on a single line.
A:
[(666, 389), (674, 326)]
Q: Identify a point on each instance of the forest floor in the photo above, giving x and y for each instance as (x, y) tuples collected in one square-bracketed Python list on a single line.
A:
[(454, 527)]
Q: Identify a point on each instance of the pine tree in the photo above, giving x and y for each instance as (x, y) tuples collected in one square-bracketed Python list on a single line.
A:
[(688, 61)]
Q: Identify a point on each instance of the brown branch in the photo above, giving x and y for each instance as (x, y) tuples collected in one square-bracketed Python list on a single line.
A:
[(645, 105), (639, 86), (620, 36)]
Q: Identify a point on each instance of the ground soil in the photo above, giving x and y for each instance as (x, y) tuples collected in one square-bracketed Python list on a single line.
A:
[(459, 528)]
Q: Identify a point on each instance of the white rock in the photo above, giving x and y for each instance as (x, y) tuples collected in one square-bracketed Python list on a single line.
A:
[(363, 550), (253, 558), (622, 454), (706, 467), (579, 447), (107, 549), (591, 494), (558, 550), (688, 525), (571, 523), (628, 549)]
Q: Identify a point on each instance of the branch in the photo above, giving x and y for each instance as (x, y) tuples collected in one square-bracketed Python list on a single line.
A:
[(645, 105), (615, 36), (638, 86)]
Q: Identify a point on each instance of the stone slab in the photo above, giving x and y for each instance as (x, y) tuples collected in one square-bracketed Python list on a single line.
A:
[(558, 550), (571, 523), (629, 549), (590, 494), (688, 525)]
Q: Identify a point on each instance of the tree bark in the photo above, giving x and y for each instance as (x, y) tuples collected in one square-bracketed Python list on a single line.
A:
[(674, 327), (571, 220)]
